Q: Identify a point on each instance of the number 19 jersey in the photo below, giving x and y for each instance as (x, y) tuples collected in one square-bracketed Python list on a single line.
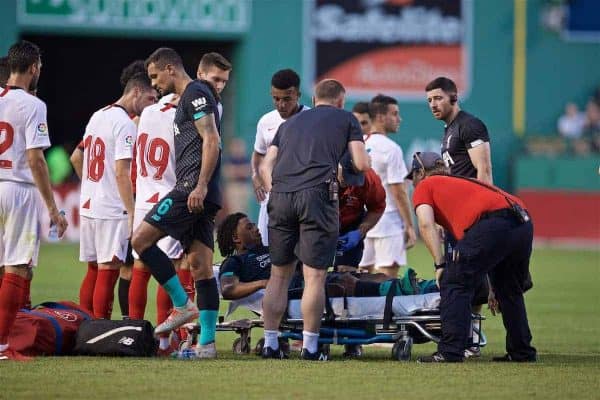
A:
[(109, 136), (155, 157)]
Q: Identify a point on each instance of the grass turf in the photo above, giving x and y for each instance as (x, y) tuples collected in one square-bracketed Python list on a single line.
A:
[(563, 313)]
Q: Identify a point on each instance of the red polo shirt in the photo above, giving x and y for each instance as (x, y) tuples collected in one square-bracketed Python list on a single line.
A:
[(457, 202), (354, 199)]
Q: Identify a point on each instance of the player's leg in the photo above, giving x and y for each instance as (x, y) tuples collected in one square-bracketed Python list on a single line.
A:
[(140, 276), (20, 207), (367, 262), (170, 216), (125, 274), (390, 255), (87, 254), (111, 250)]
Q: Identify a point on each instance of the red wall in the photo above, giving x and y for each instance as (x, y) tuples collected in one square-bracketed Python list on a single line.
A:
[(562, 215)]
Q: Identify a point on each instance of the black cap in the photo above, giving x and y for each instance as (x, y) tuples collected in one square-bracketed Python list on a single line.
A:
[(350, 176), (423, 160)]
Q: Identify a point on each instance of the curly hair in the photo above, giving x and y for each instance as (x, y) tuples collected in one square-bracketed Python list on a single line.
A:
[(226, 231)]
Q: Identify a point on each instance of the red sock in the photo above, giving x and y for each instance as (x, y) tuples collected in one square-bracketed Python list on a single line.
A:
[(185, 277), (138, 293), (86, 291), (104, 292), (10, 298), (163, 305), (26, 295)]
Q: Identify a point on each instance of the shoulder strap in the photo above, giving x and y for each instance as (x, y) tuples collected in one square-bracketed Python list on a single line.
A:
[(58, 342), (388, 311)]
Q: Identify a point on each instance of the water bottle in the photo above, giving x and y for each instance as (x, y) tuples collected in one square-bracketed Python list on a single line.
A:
[(53, 233)]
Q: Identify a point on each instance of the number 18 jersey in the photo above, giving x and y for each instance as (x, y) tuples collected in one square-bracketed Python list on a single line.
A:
[(109, 136), (155, 157)]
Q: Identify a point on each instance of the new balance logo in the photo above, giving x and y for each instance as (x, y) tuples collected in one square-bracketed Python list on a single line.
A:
[(127, 341), (199, 103)]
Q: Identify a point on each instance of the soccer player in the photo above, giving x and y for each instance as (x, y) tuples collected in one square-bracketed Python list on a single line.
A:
[(285, 91), (23, 138), (214, 68), (187, 212), (155, 160), (106, 213), (386, 244), (361, 112)]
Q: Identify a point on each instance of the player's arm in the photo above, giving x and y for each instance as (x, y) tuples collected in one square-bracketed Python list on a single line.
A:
[(429, 233), (123, 175), (41, 177), (482, 160), (374, 203), (211, 144), (266, 167), (77, 161), (257, 182), (233, 289), (399, 192)]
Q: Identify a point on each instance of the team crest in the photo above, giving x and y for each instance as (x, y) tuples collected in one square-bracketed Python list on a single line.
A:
[(129, 140), (42, 128)]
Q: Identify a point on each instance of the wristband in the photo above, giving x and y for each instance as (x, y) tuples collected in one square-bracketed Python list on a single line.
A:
[(439, 266)]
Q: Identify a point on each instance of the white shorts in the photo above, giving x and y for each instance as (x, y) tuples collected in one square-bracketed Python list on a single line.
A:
[(171, 247), (384, 251), (263, 222), (20, 227), (102, 240)]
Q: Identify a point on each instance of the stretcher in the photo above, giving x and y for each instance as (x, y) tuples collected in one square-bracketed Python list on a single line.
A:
[(400, 320)]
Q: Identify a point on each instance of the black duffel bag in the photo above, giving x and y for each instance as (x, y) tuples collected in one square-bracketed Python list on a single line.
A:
[(127, 338)]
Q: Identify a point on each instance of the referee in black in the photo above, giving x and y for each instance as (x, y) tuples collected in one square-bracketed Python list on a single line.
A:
[(299, 170)]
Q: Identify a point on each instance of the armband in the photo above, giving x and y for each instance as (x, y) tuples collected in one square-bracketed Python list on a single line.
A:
[(439, 266)]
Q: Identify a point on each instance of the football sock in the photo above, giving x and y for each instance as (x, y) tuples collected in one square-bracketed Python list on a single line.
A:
[(104, 292), (26, 295), (86, 291), (310, 341), (271, 339), (163, 342), (173, 287), (138, 293), (123, 290), (207, 297), (185, 277), (160, 265), (163, 305), (10, 299)]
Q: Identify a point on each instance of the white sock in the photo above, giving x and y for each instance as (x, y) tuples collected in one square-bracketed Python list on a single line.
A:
[(271, 339), (310, 341), (163, 343), (3, 347)]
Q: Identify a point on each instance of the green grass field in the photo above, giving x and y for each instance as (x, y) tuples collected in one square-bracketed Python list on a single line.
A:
[(563, 311)]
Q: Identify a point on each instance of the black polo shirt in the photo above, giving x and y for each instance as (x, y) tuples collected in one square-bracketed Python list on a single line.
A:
[(463, 133), (310, 145)]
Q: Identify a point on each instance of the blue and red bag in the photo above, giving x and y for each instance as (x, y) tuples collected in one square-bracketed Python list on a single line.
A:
[(47, 329)]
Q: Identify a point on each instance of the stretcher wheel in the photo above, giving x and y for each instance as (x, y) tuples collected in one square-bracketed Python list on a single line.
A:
[(402, 349), (259, 346), (241, 346)]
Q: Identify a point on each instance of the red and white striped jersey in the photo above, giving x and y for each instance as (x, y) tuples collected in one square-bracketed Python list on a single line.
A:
[(109, 136), (155, 155), (23, 126)]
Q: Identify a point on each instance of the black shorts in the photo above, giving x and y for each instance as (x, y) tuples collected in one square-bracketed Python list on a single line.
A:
[(303, 225), (171, 215)]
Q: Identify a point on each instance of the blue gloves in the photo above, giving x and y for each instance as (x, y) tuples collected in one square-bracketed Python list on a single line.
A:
[(349, 241)]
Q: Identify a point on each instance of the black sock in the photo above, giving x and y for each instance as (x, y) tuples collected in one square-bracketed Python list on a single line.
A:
[(207, 294), (124, 297), (160, 265), (366, 289)]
